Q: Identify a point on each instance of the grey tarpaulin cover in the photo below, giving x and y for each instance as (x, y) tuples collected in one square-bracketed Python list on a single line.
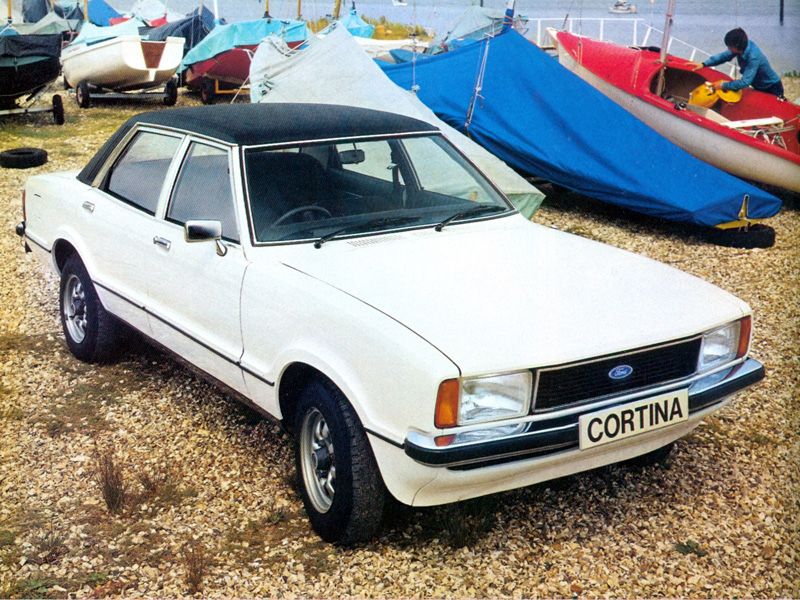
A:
[(334, 70)]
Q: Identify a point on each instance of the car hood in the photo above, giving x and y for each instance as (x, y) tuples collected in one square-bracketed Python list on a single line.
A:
[(507, 294)]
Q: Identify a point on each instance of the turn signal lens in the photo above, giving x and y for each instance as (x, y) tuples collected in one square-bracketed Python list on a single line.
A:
[(446, 414), (745, 327)]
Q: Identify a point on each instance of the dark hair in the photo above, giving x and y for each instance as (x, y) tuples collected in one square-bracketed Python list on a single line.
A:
[(736, 38)]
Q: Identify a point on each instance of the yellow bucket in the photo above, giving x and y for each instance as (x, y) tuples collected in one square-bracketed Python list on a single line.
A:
[(703, 95), (730, 96)]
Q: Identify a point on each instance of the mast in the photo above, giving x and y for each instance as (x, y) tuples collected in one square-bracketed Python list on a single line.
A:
[(266, 9), (9, 12), (216, 11), (667, 28), (299, 9), (337, 9), (508, 18), (85, 11)]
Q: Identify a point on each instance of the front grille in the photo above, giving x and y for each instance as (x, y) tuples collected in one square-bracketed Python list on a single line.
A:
[(559, 387)]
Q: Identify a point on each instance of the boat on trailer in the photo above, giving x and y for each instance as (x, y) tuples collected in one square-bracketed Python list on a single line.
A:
[(754, 136), (28, 64), (114, 60)]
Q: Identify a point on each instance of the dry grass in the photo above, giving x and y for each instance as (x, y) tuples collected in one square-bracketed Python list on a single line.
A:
[(111, 480), (195, 564)]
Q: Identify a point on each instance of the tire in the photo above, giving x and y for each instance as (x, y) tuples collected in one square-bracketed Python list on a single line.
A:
[(92, 334), (657, 457), (58, 110), (756, 236), (83, 94), (23, 158), (207, 92), (351, 510), (170, 93)]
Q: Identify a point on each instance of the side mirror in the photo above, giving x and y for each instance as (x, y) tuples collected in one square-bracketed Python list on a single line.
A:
[(205, 231)]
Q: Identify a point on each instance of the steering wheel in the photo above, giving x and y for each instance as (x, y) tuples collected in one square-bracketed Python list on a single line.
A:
[(289, 214)]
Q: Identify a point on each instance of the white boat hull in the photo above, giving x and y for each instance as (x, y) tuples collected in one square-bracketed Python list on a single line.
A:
[(735, 157), (123, 63)]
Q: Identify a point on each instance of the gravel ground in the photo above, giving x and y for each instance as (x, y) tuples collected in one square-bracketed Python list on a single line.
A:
[(210, 487)]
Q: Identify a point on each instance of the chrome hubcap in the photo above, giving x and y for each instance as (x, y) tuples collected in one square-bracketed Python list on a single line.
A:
[(317, 460), (73, 305)]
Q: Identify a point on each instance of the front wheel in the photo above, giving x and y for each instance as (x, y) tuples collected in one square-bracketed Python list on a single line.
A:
[(340, 483), (92, 334)]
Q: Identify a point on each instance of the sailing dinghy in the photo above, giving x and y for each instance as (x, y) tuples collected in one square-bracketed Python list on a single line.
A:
[(754, 137)]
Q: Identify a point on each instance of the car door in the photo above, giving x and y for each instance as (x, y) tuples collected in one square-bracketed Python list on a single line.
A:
[(194, 295), (118, 216)]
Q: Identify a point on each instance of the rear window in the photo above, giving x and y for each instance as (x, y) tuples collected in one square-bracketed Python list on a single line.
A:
[(139, 173)]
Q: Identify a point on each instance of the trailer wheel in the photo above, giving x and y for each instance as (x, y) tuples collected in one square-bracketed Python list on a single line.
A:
[(82, 94), (756, 236), (23, 158), (171, 93), (207, 92), (58, 110)]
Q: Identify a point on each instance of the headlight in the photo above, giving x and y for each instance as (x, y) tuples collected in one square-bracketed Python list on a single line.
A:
[(483, 399), (724, 344)]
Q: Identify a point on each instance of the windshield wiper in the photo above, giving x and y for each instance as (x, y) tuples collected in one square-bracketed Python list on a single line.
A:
[(382, 222), (470, 212)]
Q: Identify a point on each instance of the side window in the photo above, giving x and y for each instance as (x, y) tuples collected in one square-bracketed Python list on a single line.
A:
[(368, 158), (139, 173), (203, 190)]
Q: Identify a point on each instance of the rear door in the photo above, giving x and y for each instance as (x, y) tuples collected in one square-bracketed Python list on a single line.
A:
[(194, 297), (118, 217)]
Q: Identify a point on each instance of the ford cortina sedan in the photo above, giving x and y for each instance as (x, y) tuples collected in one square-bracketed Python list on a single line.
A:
[(351, 274)]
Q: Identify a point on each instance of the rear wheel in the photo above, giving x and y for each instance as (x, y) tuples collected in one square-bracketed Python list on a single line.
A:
[(340, 483), (82, 94), (92, 334)]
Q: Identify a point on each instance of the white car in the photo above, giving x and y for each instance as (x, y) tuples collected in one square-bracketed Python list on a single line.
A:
[(349, 273)]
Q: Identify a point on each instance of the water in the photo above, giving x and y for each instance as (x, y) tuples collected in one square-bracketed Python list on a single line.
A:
[(702, 23)]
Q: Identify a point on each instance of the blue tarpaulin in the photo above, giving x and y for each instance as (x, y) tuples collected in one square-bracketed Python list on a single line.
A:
[(93, 34), (544, 120), (357, 26), (100, 13), (244, 33)]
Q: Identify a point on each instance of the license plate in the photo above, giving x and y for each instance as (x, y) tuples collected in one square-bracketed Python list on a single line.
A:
[(620, 422)]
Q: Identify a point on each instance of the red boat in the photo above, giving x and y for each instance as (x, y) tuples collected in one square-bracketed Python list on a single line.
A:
[(754, 137), (220, 63)]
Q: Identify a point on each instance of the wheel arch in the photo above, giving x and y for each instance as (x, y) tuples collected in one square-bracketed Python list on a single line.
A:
[(294, 378), (62, 250)]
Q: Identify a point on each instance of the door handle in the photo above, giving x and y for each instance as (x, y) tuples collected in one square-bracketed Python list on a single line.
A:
[(88, 206), (164, 243)]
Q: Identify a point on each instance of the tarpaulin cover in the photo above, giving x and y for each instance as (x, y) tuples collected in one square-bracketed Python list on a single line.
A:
[(193, 29), (100, 13), (244, 33), (19, 46), (544, 120), (334, 70), (356, 25), (35, 10), (93, 34), (50, 23)]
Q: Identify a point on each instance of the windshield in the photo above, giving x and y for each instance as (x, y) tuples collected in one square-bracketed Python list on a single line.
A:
[(329, 190)]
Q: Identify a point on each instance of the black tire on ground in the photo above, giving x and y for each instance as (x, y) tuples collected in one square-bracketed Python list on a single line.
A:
[(207, 92), (92, 334), (657, 457), (83, 94), (756, 236), (23, 158), (58, 110), (356, 507), (171, 93)]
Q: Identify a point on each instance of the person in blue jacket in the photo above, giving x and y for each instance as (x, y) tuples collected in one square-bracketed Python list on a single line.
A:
[(754, 66)]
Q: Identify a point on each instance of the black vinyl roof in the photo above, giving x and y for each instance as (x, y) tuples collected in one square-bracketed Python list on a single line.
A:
[(265, 123), (252, 124)]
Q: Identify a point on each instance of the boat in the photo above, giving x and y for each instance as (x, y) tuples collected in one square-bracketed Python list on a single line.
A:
[(28, 63), (117, 59), (754, 137), (622, 7), (220, 63), (511, 97)]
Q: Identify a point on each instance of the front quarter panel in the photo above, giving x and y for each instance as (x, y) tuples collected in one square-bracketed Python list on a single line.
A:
[(389, 374)]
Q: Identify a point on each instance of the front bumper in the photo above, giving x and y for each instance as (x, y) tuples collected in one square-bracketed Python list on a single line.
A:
[(547, 434)]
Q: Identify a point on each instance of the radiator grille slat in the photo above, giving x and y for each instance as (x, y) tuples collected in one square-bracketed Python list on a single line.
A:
[(566, 386)]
